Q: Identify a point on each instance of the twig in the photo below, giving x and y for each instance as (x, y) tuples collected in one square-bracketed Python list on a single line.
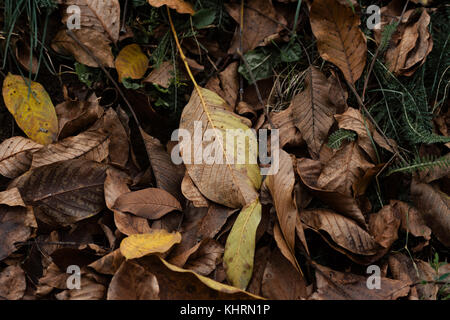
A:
[(125, 7)]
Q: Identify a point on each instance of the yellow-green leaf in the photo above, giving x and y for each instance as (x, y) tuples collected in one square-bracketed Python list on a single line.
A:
[(240, 246), (32, 109), (232, 181), (139, 245), (131, 62)]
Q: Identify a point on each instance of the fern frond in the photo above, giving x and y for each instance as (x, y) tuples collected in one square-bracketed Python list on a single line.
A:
[(421, 164), (336, 138)]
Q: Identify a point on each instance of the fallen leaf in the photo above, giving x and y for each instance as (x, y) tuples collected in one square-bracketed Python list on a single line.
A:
[(150, 203), (163, 75), (157, 241), (226, 84), (99, 26), (191, 192), (342, 230), (288, 132), (261, 21), (12, 283), (334, 285), (345, 168), (177, 283), (281, 281), (133, 282), (108, 264), (214, 219), (339, 38), (227, 182), (32, 108), (168, 176), (76, 116), (384, 224), (240, 245), (309, 172), (89, 145), (15, 156), (411, 220), (64, 192), (433, 205), (312, 110), (179, 6), (131, 62)]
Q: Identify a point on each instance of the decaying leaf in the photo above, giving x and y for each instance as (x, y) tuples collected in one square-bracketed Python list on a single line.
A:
[(12, 283), (191, 192), (225, 181), (180, 6), (17, 221), (89, 145), (15, 156), (131, 62), (342, 230), (64, 192), (339, 38), (334, 285), (434, 206), (312, 110), (32, 108), (150, 203), (162, 75), (384, 224), (157, 241), (99, 26), (240, 246), (260, 22), (344, 169)]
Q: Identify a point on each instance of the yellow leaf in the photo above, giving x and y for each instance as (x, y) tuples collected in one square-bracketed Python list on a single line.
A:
[(240, 246), (32, 109), (157, 241), (131, 62)]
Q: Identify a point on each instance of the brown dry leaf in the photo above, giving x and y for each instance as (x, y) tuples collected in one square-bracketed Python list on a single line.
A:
[(345, 168), (309, 172), (89, 145), (202, 258), (345, 232), (180, 6), (75, 116), (214, 219), (157, 241), (191, 192), (411, 219), (312, 110), (177, 283), (281, 186), (119, 146), (162, 75), (384, 224), (411, 42), (284, 121), (334, 285), (352, 119), (91, 288), (23, 55), (168, 176), (404, 269), (224, 181), (284, 249), (261, 21), (281, 281), (65, 192), (108, 264), (16, 221), (434, 206), (133, 282), (226, 84), (131, 62), (100, 25), (12, 283), (339, 38), (150, 203), (15, 156)]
